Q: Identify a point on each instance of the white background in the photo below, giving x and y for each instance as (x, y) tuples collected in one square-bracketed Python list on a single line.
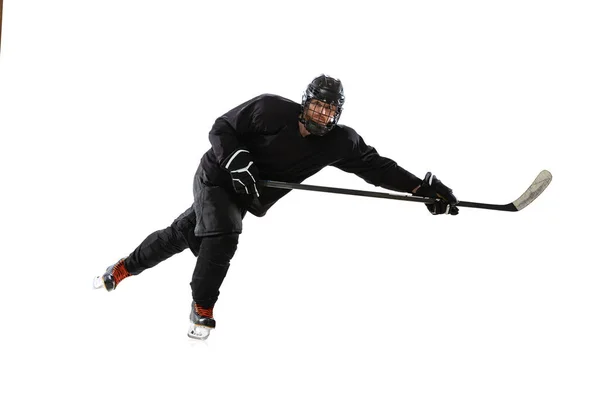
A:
[(104, 112)]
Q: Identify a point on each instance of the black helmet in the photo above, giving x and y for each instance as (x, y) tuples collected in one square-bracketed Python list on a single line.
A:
[(327, 90)]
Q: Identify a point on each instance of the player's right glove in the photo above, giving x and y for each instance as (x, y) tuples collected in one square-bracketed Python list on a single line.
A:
[(244, 173), (433, 188)]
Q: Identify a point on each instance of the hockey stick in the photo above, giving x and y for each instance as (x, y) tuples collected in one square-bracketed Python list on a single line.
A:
[(537, 187)]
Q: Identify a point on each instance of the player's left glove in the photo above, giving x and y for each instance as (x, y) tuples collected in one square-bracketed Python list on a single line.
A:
[(244, 173), (433, 188)]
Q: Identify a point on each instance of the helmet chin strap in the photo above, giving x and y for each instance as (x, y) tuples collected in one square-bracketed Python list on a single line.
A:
[(315, 128)]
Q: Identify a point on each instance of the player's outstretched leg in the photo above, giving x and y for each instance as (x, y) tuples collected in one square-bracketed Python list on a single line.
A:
[(112, 277), (201, 322), (157, 247)]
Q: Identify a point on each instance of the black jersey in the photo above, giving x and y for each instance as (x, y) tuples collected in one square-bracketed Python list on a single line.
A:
[(267, 126)]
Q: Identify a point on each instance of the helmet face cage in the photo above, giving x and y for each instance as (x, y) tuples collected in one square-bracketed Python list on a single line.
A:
[(326, 90)]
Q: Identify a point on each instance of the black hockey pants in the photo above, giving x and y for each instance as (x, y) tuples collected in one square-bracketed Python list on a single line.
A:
[(213, 253)]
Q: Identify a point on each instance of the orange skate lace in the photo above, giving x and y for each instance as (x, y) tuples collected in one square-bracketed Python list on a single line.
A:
[(119, 272), (204, 312)]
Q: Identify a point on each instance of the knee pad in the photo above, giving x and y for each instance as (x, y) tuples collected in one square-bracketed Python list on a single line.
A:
[(219, 249)]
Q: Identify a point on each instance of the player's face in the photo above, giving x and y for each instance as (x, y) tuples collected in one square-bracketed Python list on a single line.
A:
[(320, 112)]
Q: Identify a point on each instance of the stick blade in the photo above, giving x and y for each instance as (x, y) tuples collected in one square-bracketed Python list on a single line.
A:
[(537, 187)]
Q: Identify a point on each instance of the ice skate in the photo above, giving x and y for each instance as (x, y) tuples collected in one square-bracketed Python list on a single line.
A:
[(201, 322), (112, 277)]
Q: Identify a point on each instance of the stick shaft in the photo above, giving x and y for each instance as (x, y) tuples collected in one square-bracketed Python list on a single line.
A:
[(353, 192)]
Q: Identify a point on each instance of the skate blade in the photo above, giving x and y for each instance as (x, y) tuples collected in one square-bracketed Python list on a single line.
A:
[(98, 283), (198, 332)]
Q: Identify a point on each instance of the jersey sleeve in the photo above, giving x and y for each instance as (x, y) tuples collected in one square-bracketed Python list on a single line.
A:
[(229, 130), (364, 161)]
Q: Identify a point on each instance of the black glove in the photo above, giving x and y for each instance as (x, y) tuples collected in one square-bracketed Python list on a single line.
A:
[(433, 188), (244, 173)]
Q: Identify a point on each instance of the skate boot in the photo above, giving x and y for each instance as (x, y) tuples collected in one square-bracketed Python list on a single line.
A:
[(202, 322), (112, 277)]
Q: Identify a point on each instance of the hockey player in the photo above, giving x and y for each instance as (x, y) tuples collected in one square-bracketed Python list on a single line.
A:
[(267, 137)]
